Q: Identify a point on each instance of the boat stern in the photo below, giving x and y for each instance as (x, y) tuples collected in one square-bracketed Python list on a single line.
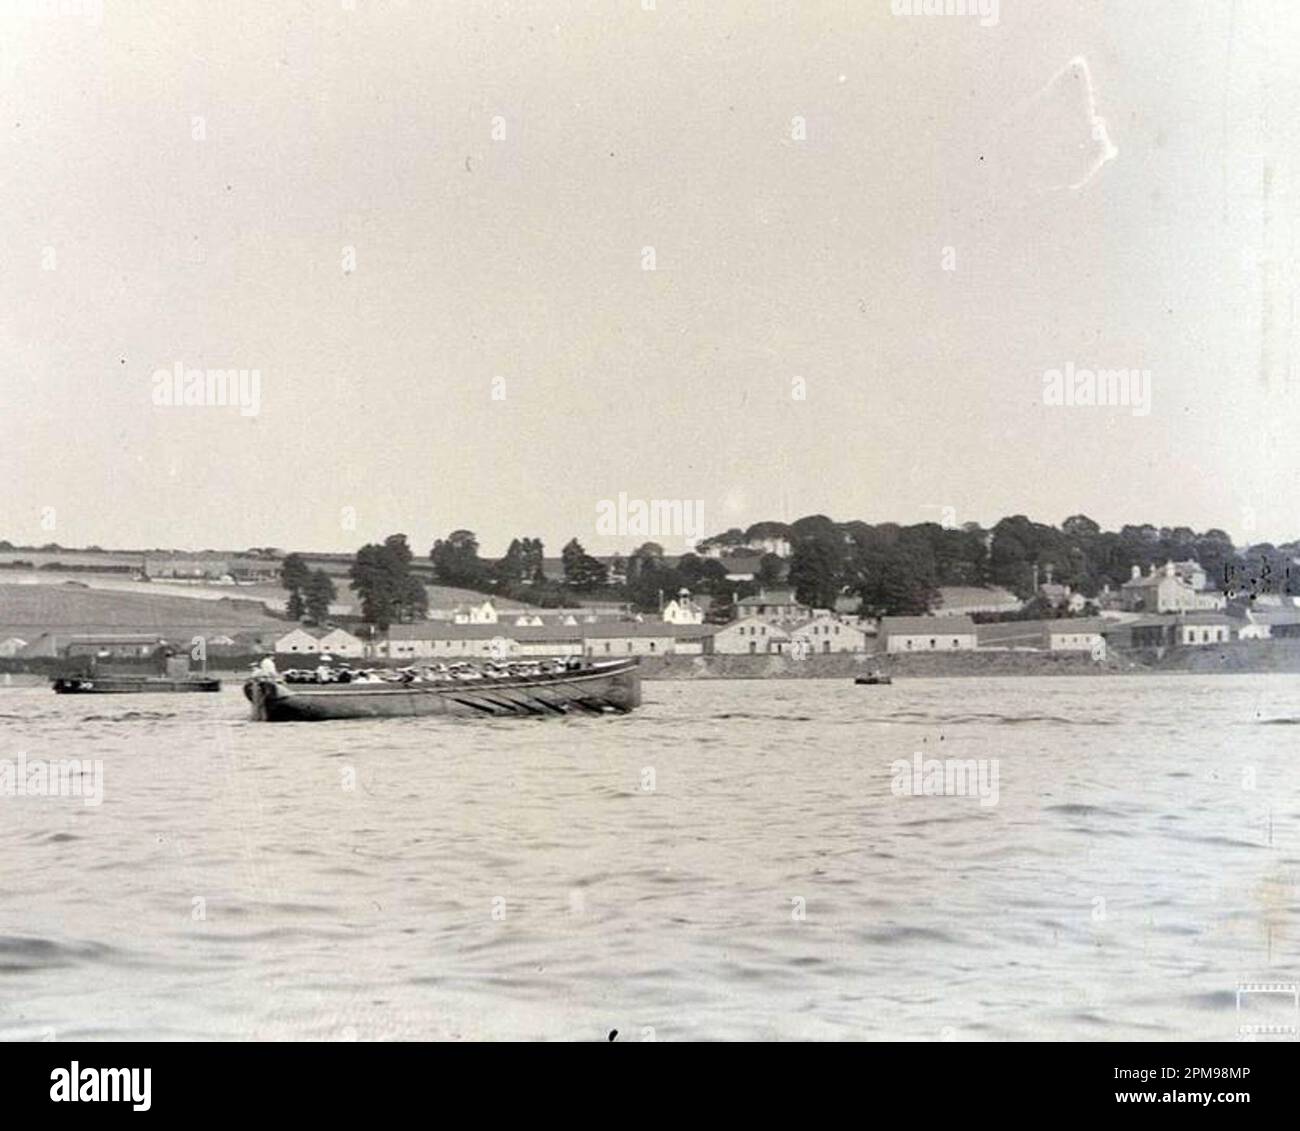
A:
[(263, 694)]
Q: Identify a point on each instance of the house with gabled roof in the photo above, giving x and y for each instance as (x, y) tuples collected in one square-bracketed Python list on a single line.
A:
[(776, 605), (749, 636), (927, 634), (825, 632)]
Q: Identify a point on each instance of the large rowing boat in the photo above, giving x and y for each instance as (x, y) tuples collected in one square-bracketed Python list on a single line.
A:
[(591, 689)]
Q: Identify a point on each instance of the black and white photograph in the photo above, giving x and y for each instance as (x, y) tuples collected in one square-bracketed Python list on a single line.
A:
[(765, 522)]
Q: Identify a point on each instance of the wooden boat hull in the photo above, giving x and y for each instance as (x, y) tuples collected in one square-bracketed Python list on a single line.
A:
[(614, 688), (129, 685)]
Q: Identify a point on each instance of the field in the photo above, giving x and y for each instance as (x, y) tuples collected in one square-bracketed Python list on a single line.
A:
[(35, 601), (28, 610)]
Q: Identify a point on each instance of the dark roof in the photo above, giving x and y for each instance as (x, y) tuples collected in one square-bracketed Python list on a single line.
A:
[(107, 637), (920, 626), (1079, 624), (450, 630), (1275, 616), (1145, 580), (1164, 620), (1012, 632), (647, 628)]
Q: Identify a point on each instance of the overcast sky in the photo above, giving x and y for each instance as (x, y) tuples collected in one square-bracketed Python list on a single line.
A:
[(1115, 185)]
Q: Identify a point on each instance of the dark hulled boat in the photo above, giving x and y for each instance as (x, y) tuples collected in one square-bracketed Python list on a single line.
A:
[(125, 664), (592, 689), (873, 678), (129, 684)]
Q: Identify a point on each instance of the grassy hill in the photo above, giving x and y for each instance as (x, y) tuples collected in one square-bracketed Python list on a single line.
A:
[(28, 610)]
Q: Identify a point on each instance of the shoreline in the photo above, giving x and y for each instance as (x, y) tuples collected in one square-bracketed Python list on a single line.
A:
[(1237, 658)]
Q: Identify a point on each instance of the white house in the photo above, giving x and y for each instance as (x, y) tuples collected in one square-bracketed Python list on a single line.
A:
[(485, 613), (447, 640), (12, 645), (1254, 627), (750, 636), (298, 640), (927, 634), (1077, 634), (1165, 590), (683, 610), (827, 633), (628, 638), (340, 642), (1204, 628)]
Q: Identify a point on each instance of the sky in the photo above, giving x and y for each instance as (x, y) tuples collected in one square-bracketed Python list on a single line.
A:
[(497, 264)]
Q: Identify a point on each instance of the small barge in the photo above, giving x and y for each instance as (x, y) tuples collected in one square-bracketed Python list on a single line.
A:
[(130, 684), (125, 664)]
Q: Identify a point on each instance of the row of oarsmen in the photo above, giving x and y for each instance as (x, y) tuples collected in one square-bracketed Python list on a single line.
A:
[(434, 673)]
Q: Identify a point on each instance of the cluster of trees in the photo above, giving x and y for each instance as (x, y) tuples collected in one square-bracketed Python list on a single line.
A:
[(389, 589), (899, 569), (519, 575), (310, 590), (888, 568)]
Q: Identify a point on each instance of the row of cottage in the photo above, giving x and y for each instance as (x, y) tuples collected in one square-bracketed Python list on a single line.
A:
[(821, 634), (1168, 607)]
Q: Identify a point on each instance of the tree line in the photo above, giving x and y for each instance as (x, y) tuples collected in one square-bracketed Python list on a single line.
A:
[(884, 568)]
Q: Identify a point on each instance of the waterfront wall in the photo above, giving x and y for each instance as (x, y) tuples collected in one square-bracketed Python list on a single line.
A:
[(848, 665), (1236, 657)]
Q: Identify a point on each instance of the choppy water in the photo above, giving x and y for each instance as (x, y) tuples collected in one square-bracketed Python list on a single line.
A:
[(516, 879)]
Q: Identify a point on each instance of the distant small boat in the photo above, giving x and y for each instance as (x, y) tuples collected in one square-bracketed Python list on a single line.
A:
[(110, 663), (873, 678), (591, 689), (130, 684)]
